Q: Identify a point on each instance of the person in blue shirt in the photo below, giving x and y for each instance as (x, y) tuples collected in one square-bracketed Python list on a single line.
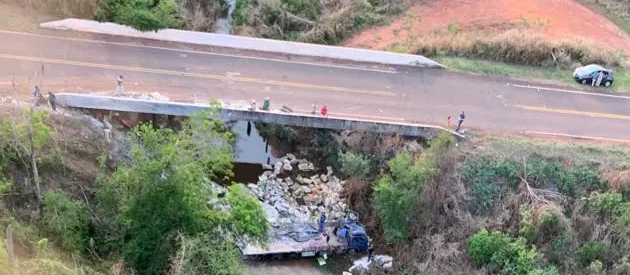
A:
[(322, 222)]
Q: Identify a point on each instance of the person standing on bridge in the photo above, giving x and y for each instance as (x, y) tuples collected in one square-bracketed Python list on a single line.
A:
[(324, 111), (52, 99), (266, 104), (119, 85), (462, 116)]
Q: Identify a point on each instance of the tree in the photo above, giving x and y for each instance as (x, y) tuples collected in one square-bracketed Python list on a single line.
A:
[(397, 192), (143, 15), (65, 219), (353, 164), (165, 193), (21, 138), (206, 254)]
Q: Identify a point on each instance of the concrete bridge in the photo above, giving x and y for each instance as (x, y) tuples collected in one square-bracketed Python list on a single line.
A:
[(134, 110)]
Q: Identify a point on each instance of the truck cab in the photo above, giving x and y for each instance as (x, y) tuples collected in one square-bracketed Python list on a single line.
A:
[(352, 232)]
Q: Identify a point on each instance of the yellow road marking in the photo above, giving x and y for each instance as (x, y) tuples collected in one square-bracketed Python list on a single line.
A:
[(573, 112), (193, 51), (196, 75)]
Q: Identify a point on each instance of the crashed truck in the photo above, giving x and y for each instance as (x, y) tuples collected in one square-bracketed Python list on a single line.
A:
[(304, 240)]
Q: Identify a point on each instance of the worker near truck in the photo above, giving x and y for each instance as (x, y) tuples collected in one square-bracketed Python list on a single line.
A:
[(322, 222)]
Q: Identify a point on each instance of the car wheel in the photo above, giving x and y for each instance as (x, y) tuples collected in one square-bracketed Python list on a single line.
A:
[(607, 83), (583, 82)]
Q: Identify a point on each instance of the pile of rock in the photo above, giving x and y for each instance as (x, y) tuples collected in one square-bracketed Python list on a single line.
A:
[(364, 267), (292, 191)]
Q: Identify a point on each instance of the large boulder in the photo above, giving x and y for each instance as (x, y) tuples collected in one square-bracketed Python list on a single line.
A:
[(272, 213), (277, 168), (303, 167)]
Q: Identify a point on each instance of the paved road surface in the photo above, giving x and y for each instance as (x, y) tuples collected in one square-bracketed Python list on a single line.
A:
[(422, 95)]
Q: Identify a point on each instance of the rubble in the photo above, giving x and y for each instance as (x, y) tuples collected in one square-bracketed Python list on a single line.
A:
[(362, 265), (299, 195)]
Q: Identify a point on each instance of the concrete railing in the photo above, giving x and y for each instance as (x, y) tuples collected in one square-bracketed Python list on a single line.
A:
[(248, 43), (130, 105)]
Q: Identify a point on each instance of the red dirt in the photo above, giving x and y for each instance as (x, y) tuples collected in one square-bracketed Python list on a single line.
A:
[(557, 19)]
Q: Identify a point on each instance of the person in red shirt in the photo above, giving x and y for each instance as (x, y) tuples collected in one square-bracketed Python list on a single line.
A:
[(324, 111)]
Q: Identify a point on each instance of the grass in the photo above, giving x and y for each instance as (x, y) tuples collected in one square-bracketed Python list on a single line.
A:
[(531, 73), (521, 47), (580, 152)]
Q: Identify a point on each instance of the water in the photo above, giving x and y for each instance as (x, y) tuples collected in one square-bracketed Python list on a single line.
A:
[(250, 151), (250, 147), (224, 25)]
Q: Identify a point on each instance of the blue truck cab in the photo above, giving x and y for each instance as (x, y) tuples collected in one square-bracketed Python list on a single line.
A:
[(353, 233)]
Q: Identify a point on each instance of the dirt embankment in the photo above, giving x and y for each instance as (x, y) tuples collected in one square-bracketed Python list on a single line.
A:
[(556, 19)]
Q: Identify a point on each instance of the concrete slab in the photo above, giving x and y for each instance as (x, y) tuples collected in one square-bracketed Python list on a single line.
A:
[(122, 104), (247, 43)]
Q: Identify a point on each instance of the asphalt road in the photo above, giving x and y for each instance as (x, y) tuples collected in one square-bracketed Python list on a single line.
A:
[(419, 95)]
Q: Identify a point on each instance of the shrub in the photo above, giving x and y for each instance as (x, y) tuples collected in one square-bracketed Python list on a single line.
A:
[(547, 225), (622, 267), (594, 251), (596, 268), (484, 244), (625, 191), (66, 220), (484, 196), (621, 226), (353, 164), (577, 180), (305, 8), (397, 193), (517, 47), (502, 253), (488, 177), (207, 254), (143, 15), (605, 203), (559, 249), (547, 271), (139, 18)]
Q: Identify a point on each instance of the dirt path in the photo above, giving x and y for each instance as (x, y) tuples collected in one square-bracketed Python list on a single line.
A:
[(557, 19)]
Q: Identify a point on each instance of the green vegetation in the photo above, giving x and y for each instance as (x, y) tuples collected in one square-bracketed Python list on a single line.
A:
[(144, 15), (153, 212), (66, 220), (533, 49), (530, 73), (593, 251), (354, 165), (504, 254), (315, 21), (396, 192)]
